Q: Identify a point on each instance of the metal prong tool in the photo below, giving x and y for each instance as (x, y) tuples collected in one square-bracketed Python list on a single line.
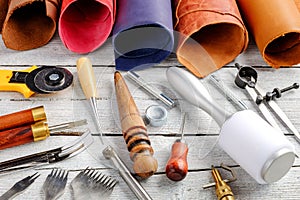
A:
[(151, 89), (19, 187), (47, 157), (133, 184), (246, 77)]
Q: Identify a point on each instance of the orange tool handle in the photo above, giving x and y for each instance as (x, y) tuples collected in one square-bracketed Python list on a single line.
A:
[(15, 137), (21, 118), (24, 134), (177, 166)]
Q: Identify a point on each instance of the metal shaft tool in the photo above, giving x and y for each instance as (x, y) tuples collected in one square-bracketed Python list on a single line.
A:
[(151, 89), (133, 184), (32, 133), (87, 80), (134, 130), (177, 165), (238, 102)]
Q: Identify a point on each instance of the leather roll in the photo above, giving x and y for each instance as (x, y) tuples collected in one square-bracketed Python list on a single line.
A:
[(84, 25), (211, 34), (143, 33), (298, 4), (275, 26), (3, 11), (30, 24)]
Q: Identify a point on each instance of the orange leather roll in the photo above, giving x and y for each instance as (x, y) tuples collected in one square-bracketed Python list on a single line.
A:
[(29, 24), (211, 34), (3, 11), (275, 26), (298, 4)]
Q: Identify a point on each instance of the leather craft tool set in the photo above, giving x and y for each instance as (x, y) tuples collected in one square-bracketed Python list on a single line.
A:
[(204, 35)]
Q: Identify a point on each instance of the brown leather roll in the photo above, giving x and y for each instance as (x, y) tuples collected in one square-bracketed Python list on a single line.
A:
[(3, 11), (298, 4), (211, 34), (30, 24), (275, 26)]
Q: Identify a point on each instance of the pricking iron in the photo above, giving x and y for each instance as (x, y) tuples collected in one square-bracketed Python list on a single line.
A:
[(47, 157), (42, 80), (264, 152)]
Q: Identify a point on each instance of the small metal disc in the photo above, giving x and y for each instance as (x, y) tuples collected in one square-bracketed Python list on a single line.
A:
[(29, 80), (156, 115), (53, 79)]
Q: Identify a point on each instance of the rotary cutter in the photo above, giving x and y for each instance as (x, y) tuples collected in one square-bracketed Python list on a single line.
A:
[(42, 80)]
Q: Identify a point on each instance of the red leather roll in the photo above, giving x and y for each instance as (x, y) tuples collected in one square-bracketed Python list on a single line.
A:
[(275, 26), (211, 34), (3, 11), (84, 25), (29, 24)]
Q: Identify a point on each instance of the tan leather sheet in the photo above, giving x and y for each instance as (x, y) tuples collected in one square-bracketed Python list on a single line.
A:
[(275, 26), (30, 24), (3, 11), (211, 34)]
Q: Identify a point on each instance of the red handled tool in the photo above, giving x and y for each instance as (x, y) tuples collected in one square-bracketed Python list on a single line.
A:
[(177, 166)]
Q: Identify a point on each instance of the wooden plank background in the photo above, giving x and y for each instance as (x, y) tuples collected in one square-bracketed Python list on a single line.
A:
[(201, 131)]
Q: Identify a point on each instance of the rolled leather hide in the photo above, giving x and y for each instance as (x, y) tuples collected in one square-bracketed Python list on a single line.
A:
[(84, 25), (29, 24), (143, 33), (211, 34), (3, 11), (275, 26)]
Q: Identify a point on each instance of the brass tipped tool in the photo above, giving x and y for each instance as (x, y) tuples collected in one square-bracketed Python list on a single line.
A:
[(88, 84), (223, 190), (134, 131)]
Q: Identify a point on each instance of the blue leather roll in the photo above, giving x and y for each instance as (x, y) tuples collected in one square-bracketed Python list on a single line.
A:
[(143, 33)]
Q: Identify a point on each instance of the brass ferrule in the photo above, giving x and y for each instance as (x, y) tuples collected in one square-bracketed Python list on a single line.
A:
[(38, 113), (40, 131), (223, 191)]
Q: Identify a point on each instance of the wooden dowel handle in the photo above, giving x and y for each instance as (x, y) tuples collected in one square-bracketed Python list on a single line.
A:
[(134, 131), (24, 117)]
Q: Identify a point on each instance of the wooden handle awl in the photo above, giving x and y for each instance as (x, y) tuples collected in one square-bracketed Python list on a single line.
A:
[(134, 131), (22, 118), (177, 166)]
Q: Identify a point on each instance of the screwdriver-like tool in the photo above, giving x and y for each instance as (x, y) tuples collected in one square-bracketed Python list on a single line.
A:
[(32, 133), (177, 165), (87, 80)]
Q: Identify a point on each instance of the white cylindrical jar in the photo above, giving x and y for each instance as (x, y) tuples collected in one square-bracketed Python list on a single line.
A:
[(265, 153)]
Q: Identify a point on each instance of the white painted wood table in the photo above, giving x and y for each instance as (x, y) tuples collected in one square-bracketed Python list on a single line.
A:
[(201, 131)]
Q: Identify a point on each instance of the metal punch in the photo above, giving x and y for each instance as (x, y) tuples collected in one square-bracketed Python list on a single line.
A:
[(246, 78), (151, 89), (47, 157)]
